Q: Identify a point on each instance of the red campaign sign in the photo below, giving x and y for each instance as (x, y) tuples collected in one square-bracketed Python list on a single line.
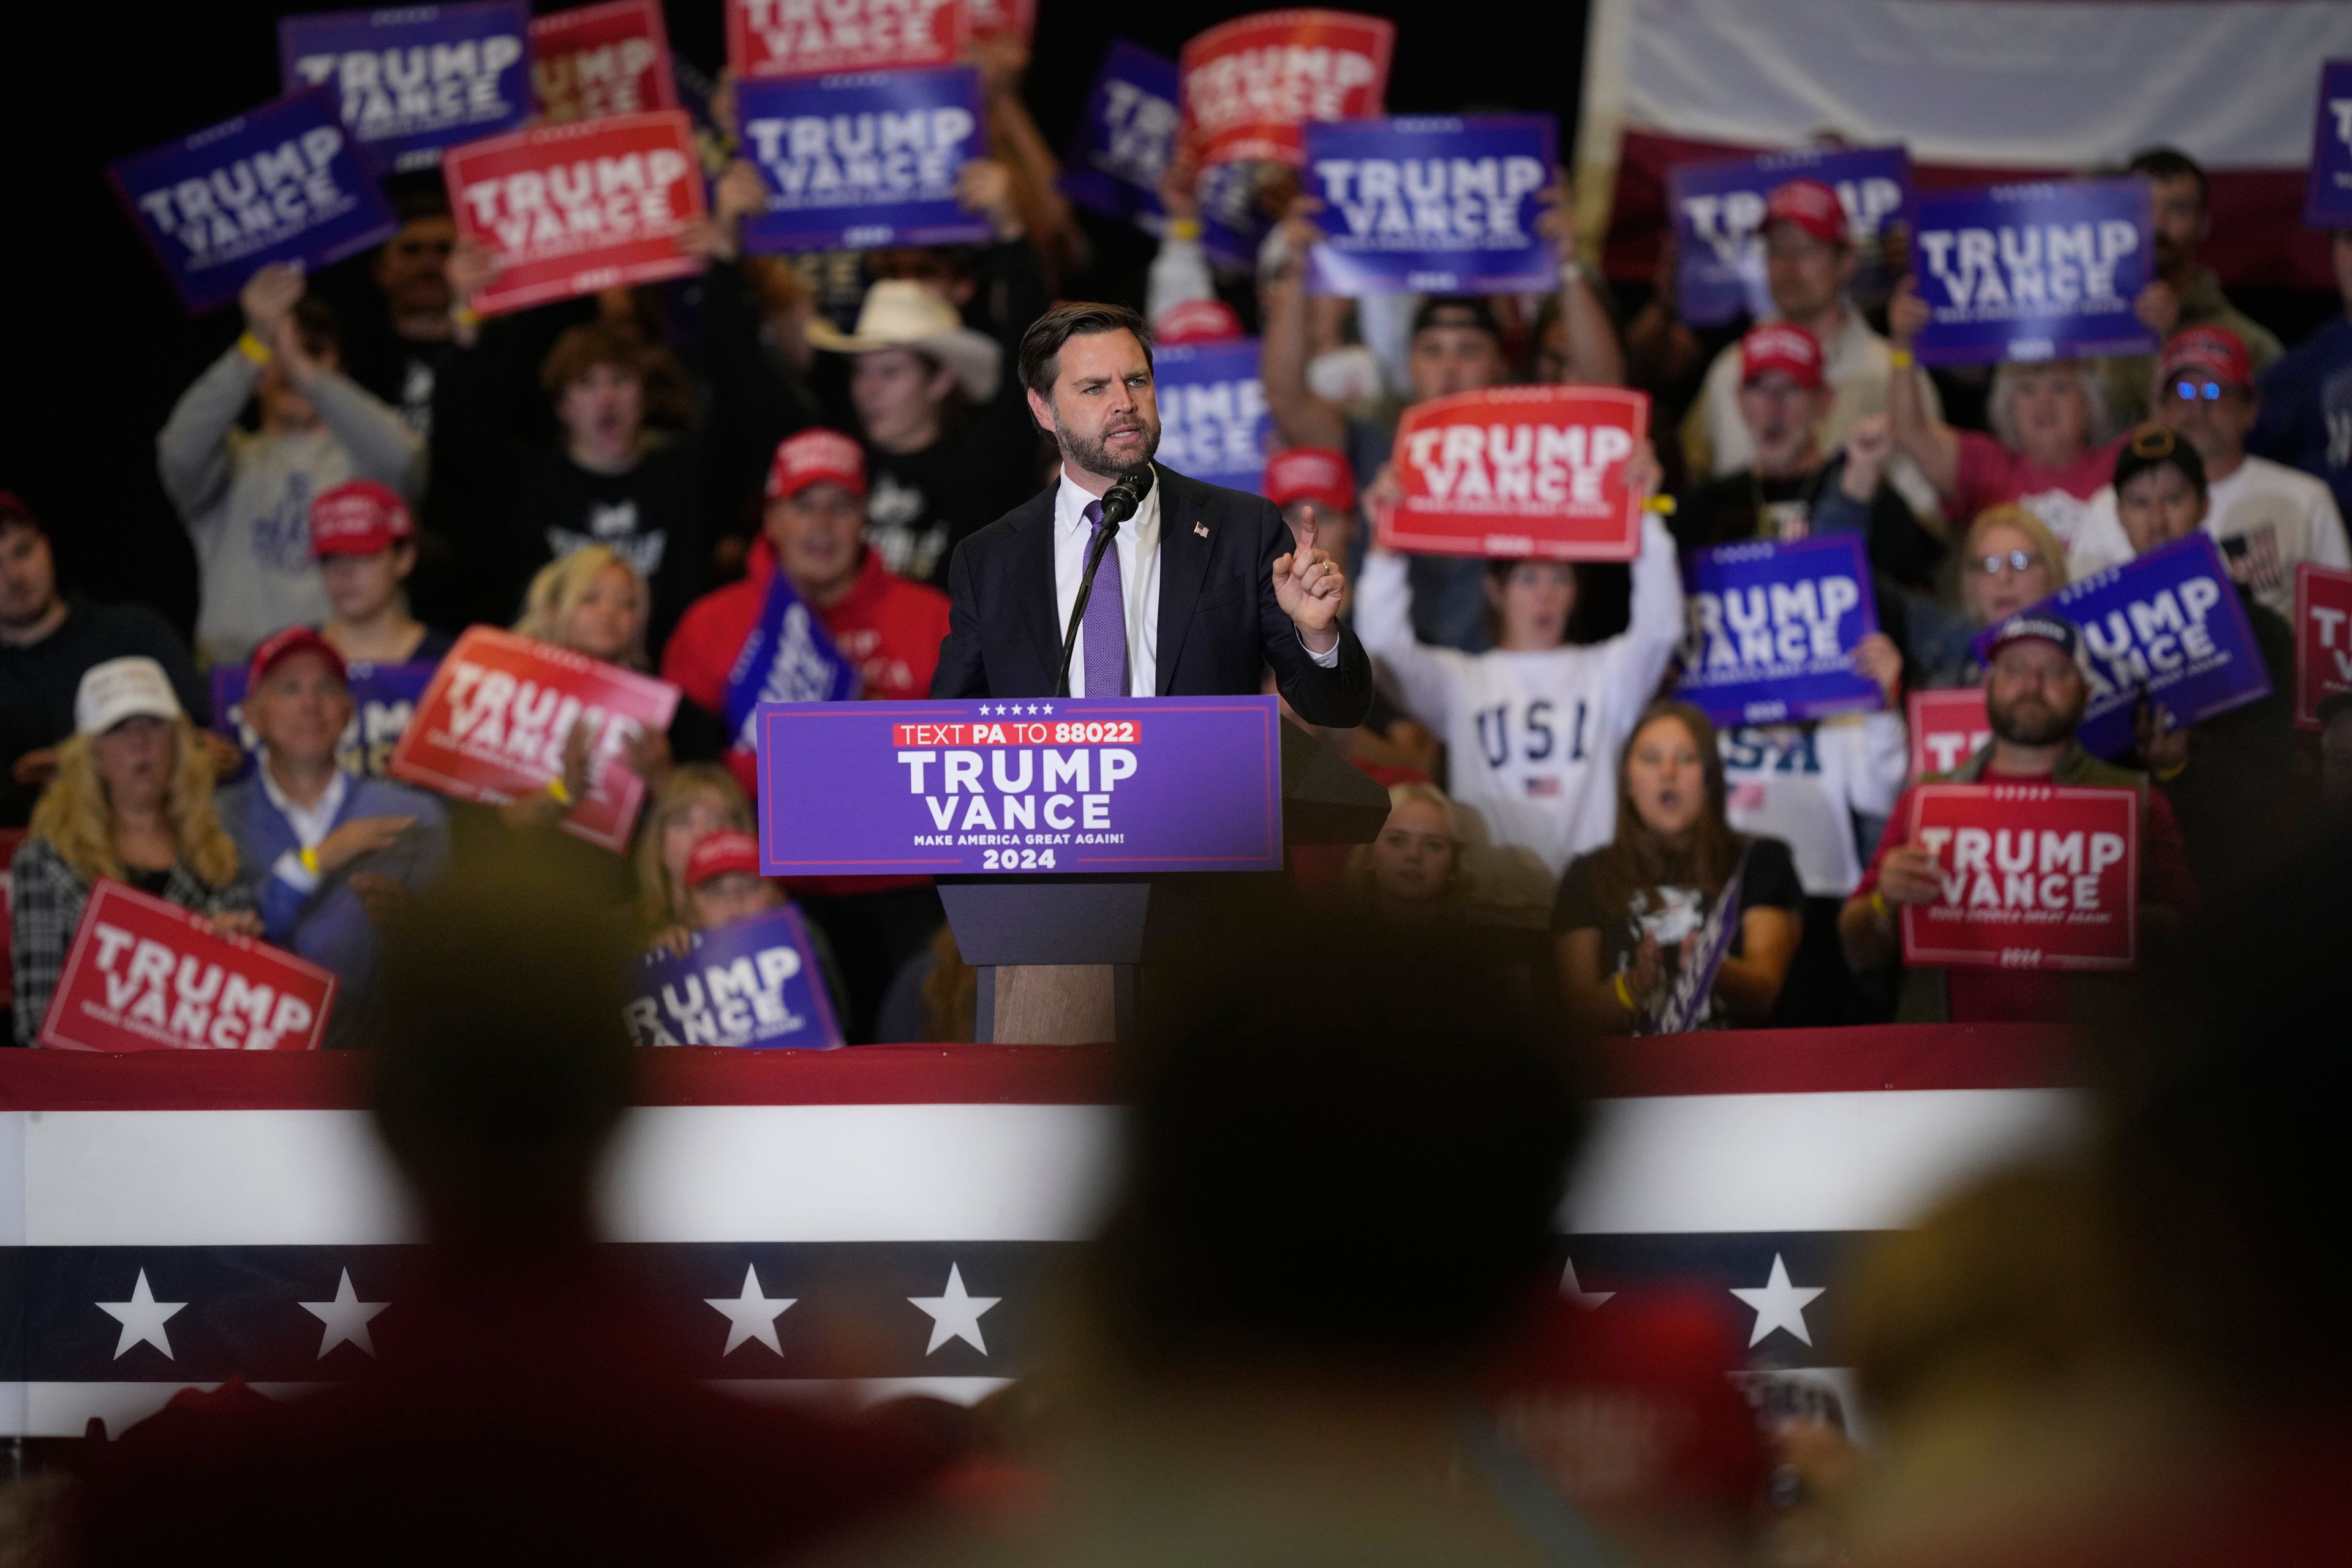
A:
[(597, 61), (2322, 638), (2034, 877), (818, 37), (492, 726), (1520, 471), (146, 975), (1947, 729), (1247, 86), (1007, 18), (566, 210)]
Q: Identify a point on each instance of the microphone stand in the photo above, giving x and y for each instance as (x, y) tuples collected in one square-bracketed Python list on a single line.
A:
[(1078, 610)]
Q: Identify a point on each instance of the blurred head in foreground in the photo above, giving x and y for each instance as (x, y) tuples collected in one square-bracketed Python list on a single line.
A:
[(505, 1066)]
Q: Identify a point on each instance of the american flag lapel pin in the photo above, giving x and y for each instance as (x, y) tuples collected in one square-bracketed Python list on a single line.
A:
[(1201, 529)]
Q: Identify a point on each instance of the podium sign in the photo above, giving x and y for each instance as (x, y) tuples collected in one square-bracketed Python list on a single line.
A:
[(1059, 785)]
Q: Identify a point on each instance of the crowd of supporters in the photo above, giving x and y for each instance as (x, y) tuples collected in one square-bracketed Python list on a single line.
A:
[(624, 475)]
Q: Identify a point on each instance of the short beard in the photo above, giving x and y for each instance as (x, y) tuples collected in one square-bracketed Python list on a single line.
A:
[(1094, 457), (2004, 723)]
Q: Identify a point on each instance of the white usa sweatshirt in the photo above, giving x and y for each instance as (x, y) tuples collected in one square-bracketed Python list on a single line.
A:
[(1805, 783), (246, 497), (1531, 739)]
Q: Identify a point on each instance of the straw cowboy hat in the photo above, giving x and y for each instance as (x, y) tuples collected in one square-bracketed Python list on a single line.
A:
[(899, 313)]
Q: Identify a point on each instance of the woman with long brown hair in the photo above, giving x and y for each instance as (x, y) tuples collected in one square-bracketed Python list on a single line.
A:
[(132, 800), (1630, 914)]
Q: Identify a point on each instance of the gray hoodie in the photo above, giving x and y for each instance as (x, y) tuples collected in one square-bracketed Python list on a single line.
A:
[(246, 497)]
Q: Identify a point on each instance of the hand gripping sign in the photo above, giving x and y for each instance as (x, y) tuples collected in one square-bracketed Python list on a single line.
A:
[(593, 61), (1057, 785), (280, 183), (1947, 728), (1773, 630), (2167, 626), (1520, 472), (1214, 422), (493, 725), (1718, 210), (2327, 200), (857, 162), (2031, 272), (1248, 85), (414, 79), (753, 985), (2322, 638), (1438, 204), (146, 975), (2030, 877), (816, 37), (566, 210)]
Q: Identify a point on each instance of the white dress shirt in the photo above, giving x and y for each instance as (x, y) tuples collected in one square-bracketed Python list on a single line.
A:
[(1138, 545), (311, 824)]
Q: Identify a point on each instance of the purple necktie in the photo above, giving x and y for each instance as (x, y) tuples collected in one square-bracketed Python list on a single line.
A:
[(1106, 619)]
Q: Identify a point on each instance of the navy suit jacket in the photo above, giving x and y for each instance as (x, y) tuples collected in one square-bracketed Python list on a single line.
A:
[(1220, 626)]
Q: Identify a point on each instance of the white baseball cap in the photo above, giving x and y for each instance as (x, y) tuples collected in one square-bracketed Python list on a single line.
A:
[(122, 689)]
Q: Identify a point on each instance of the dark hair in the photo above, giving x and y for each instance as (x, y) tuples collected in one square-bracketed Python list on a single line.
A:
[(2171, 164), (16, 513), (421, 202), (1480, 312), (2154, 447), (1041, 345), (1636, 857), (582, 348)]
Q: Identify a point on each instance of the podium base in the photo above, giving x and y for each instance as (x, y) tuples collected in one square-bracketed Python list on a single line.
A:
[(1055, 1004)]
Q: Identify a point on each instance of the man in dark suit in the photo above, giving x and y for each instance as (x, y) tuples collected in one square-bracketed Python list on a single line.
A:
[(1202, 589)]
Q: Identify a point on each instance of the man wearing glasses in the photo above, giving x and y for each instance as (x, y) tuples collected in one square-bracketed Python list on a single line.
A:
[(2266, 516)]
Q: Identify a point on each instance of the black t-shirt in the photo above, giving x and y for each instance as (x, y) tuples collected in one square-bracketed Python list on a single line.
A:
[(1743, 506), (920, 505), (38, 684), (651, 516), (1767, 880)]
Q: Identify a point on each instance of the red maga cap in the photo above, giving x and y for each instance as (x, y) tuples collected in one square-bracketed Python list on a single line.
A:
[(2215, 349), (1197, 322), (1779, 347), (359, 517), (720, 854), (294, 640), (817, 458), (1311, 473), (1812, 206)]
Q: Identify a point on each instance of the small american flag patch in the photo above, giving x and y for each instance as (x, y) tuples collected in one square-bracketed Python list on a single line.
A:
[(1545, 788)]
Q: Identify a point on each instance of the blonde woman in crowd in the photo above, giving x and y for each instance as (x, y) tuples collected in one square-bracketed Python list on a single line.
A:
[(132, 801), (699, 800)]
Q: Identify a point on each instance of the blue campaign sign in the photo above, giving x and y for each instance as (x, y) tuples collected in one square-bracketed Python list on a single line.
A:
[(862, 161), (1059, 785), (753, 984), (1124, 137), (2031, 272), (2167, 626), (1213, 424), (1718, 208), (413, 79), (1774, 628), (2328, 201), (1234, 223), (383, 699), (1430, 205), (280, 183)]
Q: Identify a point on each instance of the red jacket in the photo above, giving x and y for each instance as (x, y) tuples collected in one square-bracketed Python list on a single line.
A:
[(890, 628)]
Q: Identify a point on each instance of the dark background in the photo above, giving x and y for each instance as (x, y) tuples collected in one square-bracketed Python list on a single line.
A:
[(101, 346)]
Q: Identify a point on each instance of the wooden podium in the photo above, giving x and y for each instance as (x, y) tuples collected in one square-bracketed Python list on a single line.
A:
[(1060, 958)]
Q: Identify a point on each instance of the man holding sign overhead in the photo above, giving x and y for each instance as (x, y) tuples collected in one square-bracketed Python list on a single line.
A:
[(1198, 590)]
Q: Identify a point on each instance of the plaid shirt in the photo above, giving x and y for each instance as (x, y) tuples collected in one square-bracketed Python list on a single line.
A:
[(46, 898)]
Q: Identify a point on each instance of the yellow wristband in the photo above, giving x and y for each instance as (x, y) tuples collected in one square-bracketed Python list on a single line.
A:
[(2166, 776), (464, 315), (253, 349), (1878, 902), (1898, 359), (1625, 996), (310, 858), (560, 790), (1183, 228)]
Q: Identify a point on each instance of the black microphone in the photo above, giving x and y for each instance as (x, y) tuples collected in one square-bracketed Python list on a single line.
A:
[(1118, 504)]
